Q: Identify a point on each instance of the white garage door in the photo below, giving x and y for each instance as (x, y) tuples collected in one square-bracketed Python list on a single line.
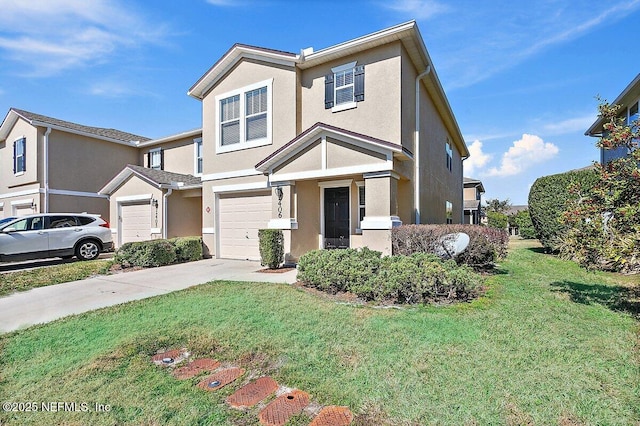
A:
[(240, 217), (22, 210), (135, 223)]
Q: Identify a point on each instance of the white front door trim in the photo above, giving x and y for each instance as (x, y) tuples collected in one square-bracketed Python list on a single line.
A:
[(332, 184)]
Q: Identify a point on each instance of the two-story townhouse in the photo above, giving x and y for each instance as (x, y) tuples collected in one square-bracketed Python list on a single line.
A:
[(51, 165), (628, 100), (159, 196), (335, 147), (473, 190)]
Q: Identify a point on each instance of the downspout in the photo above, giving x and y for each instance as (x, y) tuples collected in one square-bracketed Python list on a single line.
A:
[(165, 209), (416, 147), (46, 170)]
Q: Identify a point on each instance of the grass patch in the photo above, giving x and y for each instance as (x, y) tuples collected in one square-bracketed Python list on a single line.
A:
[(527, 353), (25, 280)]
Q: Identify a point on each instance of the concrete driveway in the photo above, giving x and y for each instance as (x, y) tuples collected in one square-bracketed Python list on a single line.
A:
[(45, 304)]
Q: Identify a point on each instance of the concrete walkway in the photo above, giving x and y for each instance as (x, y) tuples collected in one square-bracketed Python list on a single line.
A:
[(45, 304)]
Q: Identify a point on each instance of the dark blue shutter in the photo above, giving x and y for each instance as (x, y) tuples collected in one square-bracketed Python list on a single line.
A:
[(358, 90), (328, 91), (149, 159), (23, 141), (161, 159), (15, 159)]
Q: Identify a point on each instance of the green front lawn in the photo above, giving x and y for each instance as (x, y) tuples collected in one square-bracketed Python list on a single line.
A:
[(11, 282), (549, 344)]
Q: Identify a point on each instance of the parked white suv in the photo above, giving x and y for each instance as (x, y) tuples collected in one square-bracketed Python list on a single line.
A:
[(62, 235)]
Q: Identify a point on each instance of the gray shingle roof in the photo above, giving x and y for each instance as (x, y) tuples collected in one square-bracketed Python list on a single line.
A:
[(163, 177), (98, 131)]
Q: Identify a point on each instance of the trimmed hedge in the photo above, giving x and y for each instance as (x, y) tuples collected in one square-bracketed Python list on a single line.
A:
[(271, 247), (419, 278), (486, 244), (548, 199), (155, 253)]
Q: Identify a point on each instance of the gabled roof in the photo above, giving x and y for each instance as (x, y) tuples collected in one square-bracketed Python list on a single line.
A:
[(317, 130), (157, 178), (237, 52), (407, 32), (628, 95), (470, 182), (111, 135)]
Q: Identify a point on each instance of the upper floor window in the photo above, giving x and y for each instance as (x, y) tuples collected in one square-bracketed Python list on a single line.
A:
[(198, 156), (344, 87), (449, 150), (244, 117), (19, 159), (156, 159), (633, 113)]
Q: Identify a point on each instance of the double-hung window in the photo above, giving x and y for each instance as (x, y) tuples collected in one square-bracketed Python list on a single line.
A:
[(155, 159), (449, 211), (19, 159), (344, 87), (198, 156), (244, 117)]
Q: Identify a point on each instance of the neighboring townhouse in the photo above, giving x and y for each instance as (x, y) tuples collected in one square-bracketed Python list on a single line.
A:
[(51, 165), (161, 195), (335, 147), (473, 190), (628, 100)]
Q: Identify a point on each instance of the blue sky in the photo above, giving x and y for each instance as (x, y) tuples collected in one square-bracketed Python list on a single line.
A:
[(521, 77)]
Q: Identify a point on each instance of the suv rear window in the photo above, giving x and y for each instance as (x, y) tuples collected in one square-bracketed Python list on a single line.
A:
[(62, 222), (85, 220)]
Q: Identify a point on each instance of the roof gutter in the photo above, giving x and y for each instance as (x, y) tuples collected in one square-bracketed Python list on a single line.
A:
[(416, 148), (46, 169)]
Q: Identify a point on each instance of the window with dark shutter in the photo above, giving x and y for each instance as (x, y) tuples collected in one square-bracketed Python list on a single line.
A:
[(344, 87), (328, 91)]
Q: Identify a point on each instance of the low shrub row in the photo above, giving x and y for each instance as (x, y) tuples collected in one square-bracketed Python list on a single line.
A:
[(418, 278), (486, 244), (159, 252)]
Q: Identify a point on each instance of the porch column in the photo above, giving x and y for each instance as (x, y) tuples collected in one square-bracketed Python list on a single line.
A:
[(381, 210), (283, 213)]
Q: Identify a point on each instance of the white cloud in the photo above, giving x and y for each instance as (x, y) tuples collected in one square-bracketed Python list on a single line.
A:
[(49, 36), (576, 124), (417, 9), (477, 159), (524, 153)]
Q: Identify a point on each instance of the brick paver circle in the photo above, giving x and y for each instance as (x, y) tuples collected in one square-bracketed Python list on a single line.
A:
[(220, 379), (333, 416), (252, 393), (281, 409), (196, 367), (169, 357)]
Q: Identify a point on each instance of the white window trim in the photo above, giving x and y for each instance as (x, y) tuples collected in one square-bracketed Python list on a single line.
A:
[(243, 144), (151, 152), (15, 158), (359, 227), (197, 141), (347, 105)]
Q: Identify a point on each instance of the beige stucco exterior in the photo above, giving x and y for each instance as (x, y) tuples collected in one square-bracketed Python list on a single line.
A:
[(179, 155), (302, 166)]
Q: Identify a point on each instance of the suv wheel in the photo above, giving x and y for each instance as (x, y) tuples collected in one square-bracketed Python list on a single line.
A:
[(87, 250)]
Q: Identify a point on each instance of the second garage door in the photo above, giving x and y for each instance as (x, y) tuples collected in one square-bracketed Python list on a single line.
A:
[(135, 222), (240, 218)]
